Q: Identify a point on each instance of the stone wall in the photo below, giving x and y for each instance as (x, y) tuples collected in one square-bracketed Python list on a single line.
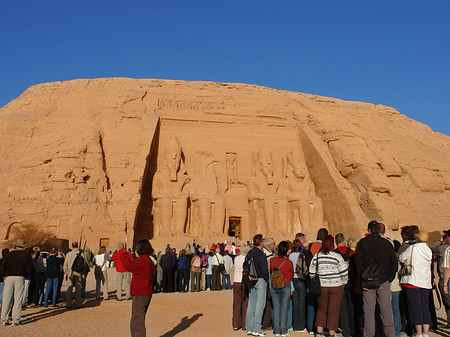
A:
[(81, 157)]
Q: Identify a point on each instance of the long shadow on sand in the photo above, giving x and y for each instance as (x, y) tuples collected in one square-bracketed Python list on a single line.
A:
[(184, 324)]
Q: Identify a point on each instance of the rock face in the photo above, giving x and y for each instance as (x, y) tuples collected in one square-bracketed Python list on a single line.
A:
[(122, 159)]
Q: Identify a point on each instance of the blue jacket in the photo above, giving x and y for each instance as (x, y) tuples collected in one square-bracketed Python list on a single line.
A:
[(262, 269)]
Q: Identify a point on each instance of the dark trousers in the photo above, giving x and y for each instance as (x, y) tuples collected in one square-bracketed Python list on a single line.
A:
[(267, 315), (39, 288), (299, 305), (183, 277), (240, 302), (216, 278), (346, 314), (138, 310), (418, 306), (328, 307), (445, 298), (168, 280)]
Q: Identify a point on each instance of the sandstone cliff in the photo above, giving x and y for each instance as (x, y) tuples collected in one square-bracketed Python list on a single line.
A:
[(81, 155)]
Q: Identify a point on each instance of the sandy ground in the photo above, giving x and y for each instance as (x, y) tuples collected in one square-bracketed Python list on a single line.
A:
[(178, 314)]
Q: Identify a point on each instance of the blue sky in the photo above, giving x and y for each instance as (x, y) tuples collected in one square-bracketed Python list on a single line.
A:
[(392, 52)]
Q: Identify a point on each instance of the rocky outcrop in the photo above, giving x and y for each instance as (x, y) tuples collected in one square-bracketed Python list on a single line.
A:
[(79, 158)]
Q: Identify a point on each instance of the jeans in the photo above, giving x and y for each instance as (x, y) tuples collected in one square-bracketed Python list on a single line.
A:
[(280, 304), (208, 281), (311, 305), (396, 310), (226, 282), (52, 285), (39, 288), (14, 286), (256, 302), (299, 305)]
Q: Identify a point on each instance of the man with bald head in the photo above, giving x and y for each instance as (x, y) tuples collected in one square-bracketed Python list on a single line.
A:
[(122, 276)]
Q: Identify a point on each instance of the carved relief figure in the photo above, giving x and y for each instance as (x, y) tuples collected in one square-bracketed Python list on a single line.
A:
[(232, 176), (208, 206), (170, 193), (263, 193), (305, 209)]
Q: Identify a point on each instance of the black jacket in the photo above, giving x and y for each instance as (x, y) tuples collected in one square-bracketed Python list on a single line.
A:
[(260, 259), (168, 261), (54, 264), (373, 249), (17, 263)]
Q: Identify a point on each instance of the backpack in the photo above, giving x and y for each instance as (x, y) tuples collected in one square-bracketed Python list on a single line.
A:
[(197, 261), (303, 263), (182, 263), (249, 275), (276, 278), (204, 260), (79, 264)]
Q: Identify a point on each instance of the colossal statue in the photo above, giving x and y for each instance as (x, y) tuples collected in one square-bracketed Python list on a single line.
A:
[(170, 194), (305, 208), (263, 193), (208, 206)]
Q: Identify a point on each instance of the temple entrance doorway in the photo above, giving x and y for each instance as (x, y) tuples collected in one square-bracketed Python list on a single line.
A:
[(234, 226)]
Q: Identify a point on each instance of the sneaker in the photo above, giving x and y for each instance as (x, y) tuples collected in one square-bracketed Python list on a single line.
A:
[(262, 333), (277, 334), (5, 323), (304, 330), (249, 333), (15, 324)]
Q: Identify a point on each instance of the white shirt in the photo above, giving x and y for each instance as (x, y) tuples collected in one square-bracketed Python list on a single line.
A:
[(99, 260), (238, 264), (421, 265), (228, 262)]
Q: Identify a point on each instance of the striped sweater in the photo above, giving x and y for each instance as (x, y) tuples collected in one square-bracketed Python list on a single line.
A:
[(333, 270)]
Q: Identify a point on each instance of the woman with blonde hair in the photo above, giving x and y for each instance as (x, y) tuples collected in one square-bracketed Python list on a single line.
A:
[(101, 272), (417, 283), (240, 298)]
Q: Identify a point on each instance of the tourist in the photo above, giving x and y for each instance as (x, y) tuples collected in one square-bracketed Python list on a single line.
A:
[(417, 284), (346, 313), (101, 272), (228, 262), (123, 277), (280, 297), (204, 257), (54, 264), (371, 250), (5, 252), (240, 298), (196, 265), (15, 269), (40, 271), (257, 294), (333, 275), (208, 271), (268, 250), (168, 264), (299, 295), (183, 271), (311, 302), (442, 255), (216, 261), (74, 277), (143, 271)]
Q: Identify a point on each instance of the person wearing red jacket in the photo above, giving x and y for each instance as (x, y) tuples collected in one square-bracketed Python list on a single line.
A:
[(142, 270), (122, 276)]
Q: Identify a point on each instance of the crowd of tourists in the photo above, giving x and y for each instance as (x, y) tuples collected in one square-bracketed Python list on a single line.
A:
[(330, 286), (333, 286)]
